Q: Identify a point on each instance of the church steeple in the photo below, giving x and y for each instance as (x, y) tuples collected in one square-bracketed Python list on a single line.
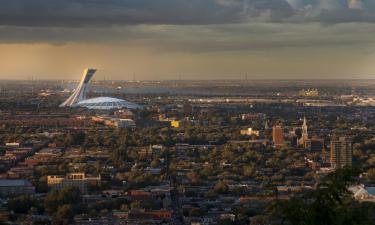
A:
[(304, 129), (305, 135)]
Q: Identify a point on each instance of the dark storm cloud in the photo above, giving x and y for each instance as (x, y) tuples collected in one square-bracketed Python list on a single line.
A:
[(72, 13), (332, 11), (203, 39), (128, 12), (208, 25), (115, 12)]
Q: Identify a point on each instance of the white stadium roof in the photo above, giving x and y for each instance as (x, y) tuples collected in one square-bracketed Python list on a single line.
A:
[(78, 98), (107, 103)]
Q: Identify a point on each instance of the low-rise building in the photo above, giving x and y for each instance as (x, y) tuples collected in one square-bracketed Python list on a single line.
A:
[(250, 131), (140, 214), (16, 187), (175, 123), (363, 193), (114, 122), (79, 180), (314, 144), (124, 123)]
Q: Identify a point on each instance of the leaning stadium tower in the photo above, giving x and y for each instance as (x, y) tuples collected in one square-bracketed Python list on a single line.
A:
[(80, 92)]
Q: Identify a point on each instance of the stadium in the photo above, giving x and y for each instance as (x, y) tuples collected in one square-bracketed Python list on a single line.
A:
[(78, 98)]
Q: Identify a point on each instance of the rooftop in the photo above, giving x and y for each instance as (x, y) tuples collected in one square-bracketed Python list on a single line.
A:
[(11, 183), (107, 103)]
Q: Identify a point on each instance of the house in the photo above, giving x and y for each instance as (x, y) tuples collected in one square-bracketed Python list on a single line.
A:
[(361, 192)]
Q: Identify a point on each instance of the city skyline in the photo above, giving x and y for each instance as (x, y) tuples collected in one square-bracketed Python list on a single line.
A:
[(188, 112), (166, 40)]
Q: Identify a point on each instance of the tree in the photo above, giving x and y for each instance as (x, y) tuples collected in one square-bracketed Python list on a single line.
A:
[(249, 171), (120, 155), (221, 187), (154, 163), (330, 204), (63, 216), (193, 177), (226, 222), (21, 204), (69, 195), (135, 205), (196, 212)]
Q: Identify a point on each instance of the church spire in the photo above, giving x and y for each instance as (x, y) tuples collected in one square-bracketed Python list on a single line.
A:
[(305, 135), (304, 128)]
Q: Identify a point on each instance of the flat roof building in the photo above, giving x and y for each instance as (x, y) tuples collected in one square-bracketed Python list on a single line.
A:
[(278, 136), (16, 187), (79, 180), (341, 153)]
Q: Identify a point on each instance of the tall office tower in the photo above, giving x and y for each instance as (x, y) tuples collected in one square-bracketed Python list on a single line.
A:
[(80, 92), (341, 153), (278, 135)]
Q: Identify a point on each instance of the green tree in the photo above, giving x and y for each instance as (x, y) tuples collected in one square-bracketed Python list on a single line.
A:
[(248, 171), (221, 187), (69, 195), (63, 216), (330, 204), (21, 204)]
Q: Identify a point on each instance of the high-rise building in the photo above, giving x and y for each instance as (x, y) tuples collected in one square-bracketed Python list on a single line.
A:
[(278, 135), (341, 153), (80, 93)]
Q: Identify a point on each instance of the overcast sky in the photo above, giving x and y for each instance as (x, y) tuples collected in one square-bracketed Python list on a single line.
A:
[(191, 39)]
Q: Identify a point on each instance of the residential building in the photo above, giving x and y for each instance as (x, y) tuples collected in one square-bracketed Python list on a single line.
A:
[(175, 123), (278, 135), (341, 153), (250, 131), (314, 144), (79, 180)]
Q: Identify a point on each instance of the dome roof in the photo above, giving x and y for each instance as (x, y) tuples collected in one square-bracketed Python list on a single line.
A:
[(107, 103)]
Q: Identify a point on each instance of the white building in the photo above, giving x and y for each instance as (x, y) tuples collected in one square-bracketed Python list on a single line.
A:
[(78, 98), (250, 131), (107, 103), (79, 180), (80, 93), (360, 192)]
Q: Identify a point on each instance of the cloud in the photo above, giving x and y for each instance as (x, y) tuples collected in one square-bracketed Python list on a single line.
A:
[(355, 4), (73, 13), (78, 13), (245, 37), (190, 25)]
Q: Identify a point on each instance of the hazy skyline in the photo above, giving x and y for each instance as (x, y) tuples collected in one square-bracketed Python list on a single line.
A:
[(192, 39)]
